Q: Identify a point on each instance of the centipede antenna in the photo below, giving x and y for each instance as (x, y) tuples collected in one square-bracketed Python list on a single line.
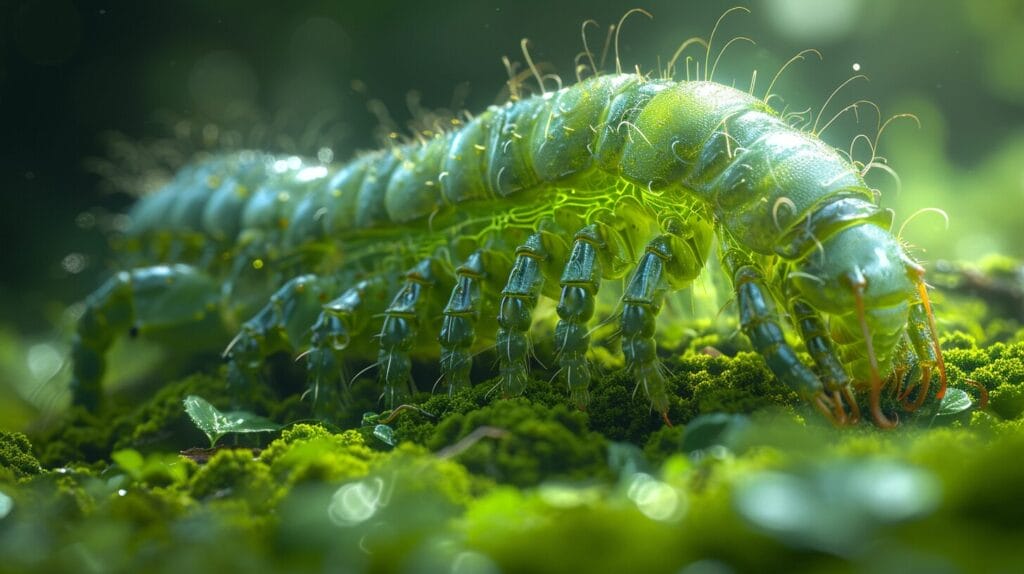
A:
[(828, 100), (881, 130), (800, 56), (618, 61), (923, 210), (533, 68), (711, 38), (849, 108), (982, 393), (876, 380), (853, 144), (578, 69), (586, 47), (607, 44), (231, 345), (722, 51), (555, 77), (513, 80), (671, 68), (303, 354)]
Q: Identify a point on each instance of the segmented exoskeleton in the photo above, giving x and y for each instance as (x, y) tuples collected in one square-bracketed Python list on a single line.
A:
[(443, 246)]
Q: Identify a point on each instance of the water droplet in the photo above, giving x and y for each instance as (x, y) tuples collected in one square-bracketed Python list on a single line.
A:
[(325, 155), (356, 503), (73, 263), (43, 361)]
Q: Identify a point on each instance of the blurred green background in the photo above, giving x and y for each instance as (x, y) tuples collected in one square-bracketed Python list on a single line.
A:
[(100, 101)]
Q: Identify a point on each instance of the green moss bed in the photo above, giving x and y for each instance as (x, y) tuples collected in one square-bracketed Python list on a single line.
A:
[(747, 479)]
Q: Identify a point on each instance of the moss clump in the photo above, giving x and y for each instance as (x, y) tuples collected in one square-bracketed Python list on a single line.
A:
[(420, 473), (308, 453), (1007, 400), (998, 367), (664, 443), (743, 386), (418, 425), (541, 442), (16, 455), (236, 474), (622, 415), (82, 436)]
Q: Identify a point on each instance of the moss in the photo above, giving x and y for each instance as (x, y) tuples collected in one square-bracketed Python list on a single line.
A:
[(663, 443), (236, 474), (417, 425), (80, 436), (420, 472), (16, 455), (1007, 400), (154, 469), (541, 442), (307, 432), (149, 510), (957, 340), (966, 358), (744, 386), (618, 415), (311, 453)]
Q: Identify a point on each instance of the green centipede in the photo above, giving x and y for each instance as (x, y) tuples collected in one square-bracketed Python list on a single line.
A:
[(442, 246)]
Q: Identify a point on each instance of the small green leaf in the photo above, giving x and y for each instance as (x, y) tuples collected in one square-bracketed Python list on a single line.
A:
[(216, 424), (955, 401), (385, 434)]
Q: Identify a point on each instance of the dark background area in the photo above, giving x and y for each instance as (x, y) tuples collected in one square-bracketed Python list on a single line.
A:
[(101, 100)]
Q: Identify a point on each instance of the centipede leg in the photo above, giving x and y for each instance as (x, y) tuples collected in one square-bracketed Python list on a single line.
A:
[(580, 283), (335, 331), (172, 301), (283, 324), (759, 319), (822, 350), (534, 261), (401, 328), (920, 335), (641, 303), (461, 317)]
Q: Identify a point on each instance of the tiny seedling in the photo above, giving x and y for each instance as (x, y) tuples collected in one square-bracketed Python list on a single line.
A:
[(216, 424)]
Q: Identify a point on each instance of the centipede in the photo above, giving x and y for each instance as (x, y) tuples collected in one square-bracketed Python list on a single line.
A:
[(443, 244)]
